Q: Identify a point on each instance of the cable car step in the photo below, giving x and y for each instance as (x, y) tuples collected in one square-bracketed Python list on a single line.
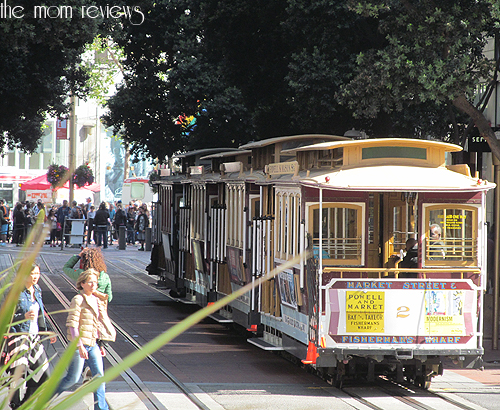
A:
[(259, 342), (219, 318), (184, 300)]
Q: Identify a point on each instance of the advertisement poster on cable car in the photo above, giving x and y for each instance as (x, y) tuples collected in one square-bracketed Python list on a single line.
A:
[(287, 289), (423, 312)]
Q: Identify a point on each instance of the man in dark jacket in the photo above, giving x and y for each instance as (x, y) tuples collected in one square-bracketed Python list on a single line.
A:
[(120, 219), (61, 214), (411, 259), (19, 233), (101, 221)]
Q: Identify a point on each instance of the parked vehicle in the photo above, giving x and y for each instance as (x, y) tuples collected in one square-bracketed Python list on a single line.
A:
[(136, 189)]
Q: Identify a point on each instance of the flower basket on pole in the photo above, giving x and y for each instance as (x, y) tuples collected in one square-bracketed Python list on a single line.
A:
[(83, 176), (56, 174)]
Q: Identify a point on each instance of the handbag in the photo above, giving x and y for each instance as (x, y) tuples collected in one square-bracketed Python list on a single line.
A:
[(59, 227)]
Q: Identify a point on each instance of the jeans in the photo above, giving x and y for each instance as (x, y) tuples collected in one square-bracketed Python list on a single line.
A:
[(130, 234), (102, 235), (75, 370)]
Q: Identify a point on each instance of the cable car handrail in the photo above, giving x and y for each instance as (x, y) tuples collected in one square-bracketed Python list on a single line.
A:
[(426, 270), (397, 271)]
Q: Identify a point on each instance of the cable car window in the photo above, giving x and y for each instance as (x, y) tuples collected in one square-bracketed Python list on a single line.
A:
[(394, 152), (341, 233), (451, 236), (287, 224), (235, 196), (198, 193)]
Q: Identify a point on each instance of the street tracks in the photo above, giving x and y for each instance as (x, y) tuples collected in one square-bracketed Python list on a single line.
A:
[(130, 377)]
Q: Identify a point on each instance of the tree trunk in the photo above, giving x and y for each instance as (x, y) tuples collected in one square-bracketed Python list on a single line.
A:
[(126, 161), (480, 122)]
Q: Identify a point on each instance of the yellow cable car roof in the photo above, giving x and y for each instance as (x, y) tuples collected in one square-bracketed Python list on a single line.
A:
[(398, 178), (408, 142)]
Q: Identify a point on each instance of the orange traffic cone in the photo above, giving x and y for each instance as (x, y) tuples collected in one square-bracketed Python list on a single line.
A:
[(312, 354)]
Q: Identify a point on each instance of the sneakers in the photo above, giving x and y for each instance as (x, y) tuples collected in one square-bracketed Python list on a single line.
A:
[(140, 249), (87, 374)]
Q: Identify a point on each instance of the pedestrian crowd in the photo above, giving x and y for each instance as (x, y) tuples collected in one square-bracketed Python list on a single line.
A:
[(102, 222), (23, 351)]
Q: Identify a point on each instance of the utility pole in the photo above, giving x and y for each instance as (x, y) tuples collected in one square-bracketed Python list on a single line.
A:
[(72, 147), (496, 279)]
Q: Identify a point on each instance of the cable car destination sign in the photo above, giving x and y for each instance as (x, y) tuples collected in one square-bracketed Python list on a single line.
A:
[(281, 168), (365, 311)]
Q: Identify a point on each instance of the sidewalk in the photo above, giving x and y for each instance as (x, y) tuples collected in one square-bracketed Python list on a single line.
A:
[(491, 356)]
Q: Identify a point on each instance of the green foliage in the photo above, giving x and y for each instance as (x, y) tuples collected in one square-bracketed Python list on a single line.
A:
[(431, 56), (251, 69), (243, 68), (101, 62), (14, 283), (154, 176), (39, 67), (169, 335)]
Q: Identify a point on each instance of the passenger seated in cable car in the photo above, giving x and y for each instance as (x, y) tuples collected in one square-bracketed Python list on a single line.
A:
[(324, 252), (436, 246)]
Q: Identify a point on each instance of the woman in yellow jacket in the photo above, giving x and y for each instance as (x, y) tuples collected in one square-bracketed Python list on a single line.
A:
[(88, 319)]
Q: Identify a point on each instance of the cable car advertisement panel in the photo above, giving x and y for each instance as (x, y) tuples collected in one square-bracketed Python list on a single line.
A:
[(423, 313)]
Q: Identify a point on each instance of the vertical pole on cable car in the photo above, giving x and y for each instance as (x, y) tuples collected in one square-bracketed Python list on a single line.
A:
[(320, 251), (496, 281), (72, 147)]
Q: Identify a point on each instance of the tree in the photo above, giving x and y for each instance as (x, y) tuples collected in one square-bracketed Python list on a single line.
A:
[(101, 62), (245, 69), (218, 61), (251, 69), (39, 67), (433, 54)]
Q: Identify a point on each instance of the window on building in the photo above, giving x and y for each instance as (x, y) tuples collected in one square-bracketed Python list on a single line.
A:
[(46, 143), (7, 192), (11, 162), (341, 226), (34, 161), (47, 160)]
